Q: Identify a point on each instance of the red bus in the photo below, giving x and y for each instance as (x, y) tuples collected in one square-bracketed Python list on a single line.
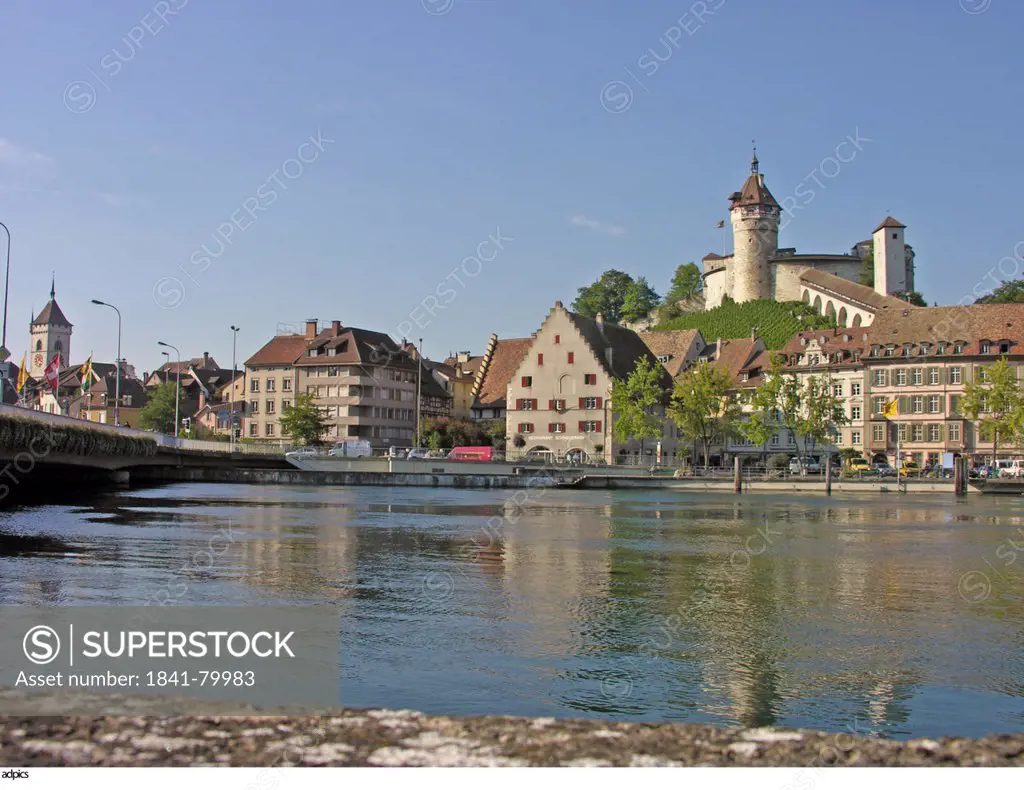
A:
[(471, 454)]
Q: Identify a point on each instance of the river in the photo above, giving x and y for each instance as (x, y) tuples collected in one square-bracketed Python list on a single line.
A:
[(889, 615)]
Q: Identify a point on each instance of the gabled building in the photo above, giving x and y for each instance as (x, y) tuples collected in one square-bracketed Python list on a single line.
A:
[(559, 396), (677, 349), (496, 368)]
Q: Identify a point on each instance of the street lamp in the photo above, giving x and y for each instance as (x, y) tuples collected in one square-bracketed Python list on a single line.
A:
[(117, 363), (231, 392), (177, 382), (419, 390), (7, 280)]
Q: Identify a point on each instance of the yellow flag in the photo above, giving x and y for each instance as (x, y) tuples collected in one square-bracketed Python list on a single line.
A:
[(86, 374), (892, 408), (22, 374)]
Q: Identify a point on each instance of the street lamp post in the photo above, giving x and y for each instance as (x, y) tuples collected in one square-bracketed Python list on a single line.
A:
[(117, 363), (177, 385), (7, 281), (231, 392), (419, 388)]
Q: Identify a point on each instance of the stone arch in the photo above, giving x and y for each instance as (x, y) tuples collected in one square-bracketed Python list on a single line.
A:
[(856, 321), (842, 318), (539, 451), (807, 296), (830, 310), (817, 304)]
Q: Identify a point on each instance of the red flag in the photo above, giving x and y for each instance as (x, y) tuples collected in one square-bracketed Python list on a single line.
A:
[(52, 372)]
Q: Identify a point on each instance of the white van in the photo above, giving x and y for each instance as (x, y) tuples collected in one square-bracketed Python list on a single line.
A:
[(1010, 467), (353, 448)]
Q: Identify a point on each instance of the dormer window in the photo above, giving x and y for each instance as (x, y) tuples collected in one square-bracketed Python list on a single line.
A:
[(941, 348), (906, 349), (958, 347), (1004, 347), (986, 347), (664, 358), (888, 351)]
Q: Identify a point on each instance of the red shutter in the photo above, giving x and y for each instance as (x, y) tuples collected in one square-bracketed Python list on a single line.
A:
[(581, 403), (534, 403), (520, 428), (558, 338), (522, 382), (598, 427), (551, 427), (570, 358), (582, 427), (598, 403), (540, 359), (519, 404), (551, 405), (531, 427)]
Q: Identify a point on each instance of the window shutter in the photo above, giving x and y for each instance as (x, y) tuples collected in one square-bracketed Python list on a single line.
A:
[(942, 432), (966, 373), (551, 405), (519, 404), (598, 428), (570, 358), (540, 359), (598, 403), (533, 403), (581, 403), (582, 429), (904, 404), (531, 427), (522, 381), (954, 404)]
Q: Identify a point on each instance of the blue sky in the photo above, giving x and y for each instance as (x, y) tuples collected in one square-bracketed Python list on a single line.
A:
[(454, 120)]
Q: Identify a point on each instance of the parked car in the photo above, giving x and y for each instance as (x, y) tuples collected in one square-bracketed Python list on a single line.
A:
[(884, 470), (860, 465), (1009, 467), (471, 454), (421, 453), (355, 448), (808, 465), (397, 452), (302, 452), (910, 469)]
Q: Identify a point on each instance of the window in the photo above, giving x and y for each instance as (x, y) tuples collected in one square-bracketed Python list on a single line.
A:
[(917, 404), (590, 426), (983, 404), (906, 349), (917, 432), (254, 385), (270, 407), (271, 385), (557, 405), (837, 389), (775, 440), (877, 405), (1004, 348), (855, 412), (958, 348), (270, 429), (901, 377), (253, 429), (902, 432), (889, 350), (527, 381), (933, 375), (854, 437), (287, 404), (934, 433), (955, 375), (953, 431), (878, 432), (254, 407), (878, 378), (571, 358), (39, 345), (855, 388), (940, 348), (982, 375), (557, 427), (934, 404), (917, 377), (664, 358), (894, 235), (540, 360), (590, 403), (590, 379), (526, 427), (986, 347), (526, 404), (127, 400)]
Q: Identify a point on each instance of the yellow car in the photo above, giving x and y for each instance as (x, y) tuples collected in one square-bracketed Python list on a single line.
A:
[(859, 465), (910, 468)]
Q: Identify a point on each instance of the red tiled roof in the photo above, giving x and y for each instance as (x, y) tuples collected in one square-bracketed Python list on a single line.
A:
[(675, 344), (970, 324), (854, 292), (735, 355), (505, 360), (279, 350), (889, 222)]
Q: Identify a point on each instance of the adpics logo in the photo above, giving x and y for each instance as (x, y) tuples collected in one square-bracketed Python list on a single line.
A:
[(41, 644)]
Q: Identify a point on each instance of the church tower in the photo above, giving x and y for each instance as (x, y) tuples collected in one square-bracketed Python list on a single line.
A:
[(50, 334), (755, 235), (892, 262)]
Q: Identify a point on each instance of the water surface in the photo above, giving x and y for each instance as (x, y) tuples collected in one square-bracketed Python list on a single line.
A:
[(899, 616)]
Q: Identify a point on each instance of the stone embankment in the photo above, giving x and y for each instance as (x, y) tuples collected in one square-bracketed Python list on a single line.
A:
[(134, 737)]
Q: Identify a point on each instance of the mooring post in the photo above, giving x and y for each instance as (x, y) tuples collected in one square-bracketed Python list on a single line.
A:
[(959, 477), (737, 478), (828, 477)]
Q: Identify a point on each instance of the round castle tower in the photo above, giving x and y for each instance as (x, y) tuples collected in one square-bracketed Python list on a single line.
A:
[(755, 234)]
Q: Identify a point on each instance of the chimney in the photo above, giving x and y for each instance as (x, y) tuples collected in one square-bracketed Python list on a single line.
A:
[(335, 328), (753, 333), (558, 304), (206, 359), (310, 328), (718, 348)]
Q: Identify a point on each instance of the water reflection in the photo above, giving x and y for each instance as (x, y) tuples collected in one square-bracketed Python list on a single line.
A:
[(803, 611)]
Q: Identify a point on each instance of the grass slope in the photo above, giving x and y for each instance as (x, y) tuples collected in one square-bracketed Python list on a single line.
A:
[(776, 322)]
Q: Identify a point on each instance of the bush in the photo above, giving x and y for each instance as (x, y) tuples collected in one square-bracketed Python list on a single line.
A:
[(778, 461)]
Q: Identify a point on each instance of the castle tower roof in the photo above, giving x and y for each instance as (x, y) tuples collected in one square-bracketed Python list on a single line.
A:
[(754, 192), (889, 222)]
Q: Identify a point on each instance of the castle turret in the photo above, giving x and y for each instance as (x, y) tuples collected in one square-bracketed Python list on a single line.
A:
[(755, 233), (891, 260)]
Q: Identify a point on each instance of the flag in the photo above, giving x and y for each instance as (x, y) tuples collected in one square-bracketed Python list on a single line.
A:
[(22, 374), (86, 375), (721, 224), (53, 372), (891, 409)]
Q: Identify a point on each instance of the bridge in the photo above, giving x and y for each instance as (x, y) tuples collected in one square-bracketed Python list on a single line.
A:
[(39, 449)]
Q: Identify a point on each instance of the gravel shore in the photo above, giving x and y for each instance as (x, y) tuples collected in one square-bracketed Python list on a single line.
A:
[(408, 738)]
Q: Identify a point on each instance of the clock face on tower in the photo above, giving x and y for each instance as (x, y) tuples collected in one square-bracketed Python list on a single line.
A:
[(38, 360)]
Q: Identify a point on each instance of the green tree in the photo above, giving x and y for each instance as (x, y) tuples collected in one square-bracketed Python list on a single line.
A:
[(1011, 292), (686, 283), (702, 406), (158, 413), (303, 421), (639, 300), (761, 421), (915, 298), (636, 401), (867, 267), (604, 296), (823, 412), (446, 432), (993, 398)]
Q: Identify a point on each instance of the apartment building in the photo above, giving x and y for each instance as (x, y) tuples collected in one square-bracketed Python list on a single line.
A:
[(271, 381), (559, 396)]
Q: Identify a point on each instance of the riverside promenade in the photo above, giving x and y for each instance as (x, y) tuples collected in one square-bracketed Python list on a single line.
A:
[(407, 738)]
